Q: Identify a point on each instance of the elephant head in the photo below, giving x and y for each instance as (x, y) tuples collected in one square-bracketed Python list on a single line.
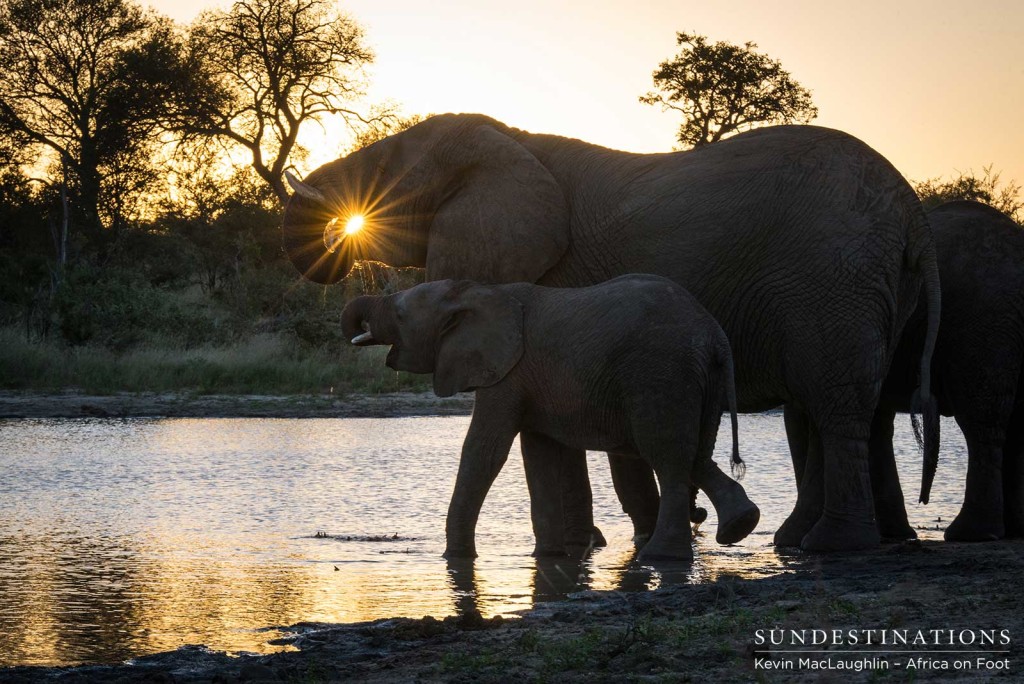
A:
[(456, 193), (468, 335)]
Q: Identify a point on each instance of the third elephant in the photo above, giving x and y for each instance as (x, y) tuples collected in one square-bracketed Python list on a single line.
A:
[(806, 245), (978, 374)]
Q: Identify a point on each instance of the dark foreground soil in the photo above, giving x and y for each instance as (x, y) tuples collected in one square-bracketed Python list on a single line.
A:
[(176, 405), (705, 632)]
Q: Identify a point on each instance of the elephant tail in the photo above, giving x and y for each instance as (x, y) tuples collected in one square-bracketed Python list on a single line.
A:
[(924, 401), (739, 468)]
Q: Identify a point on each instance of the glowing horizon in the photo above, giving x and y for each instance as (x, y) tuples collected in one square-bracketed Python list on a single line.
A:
[(936, 87)]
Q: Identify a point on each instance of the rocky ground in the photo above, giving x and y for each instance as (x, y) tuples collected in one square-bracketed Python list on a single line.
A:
[(704, 632)]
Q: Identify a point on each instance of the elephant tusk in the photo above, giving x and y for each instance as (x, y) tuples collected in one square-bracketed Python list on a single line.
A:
[(363, 338), (304, 189)]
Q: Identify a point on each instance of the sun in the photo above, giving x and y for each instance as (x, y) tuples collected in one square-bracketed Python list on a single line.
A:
[(354, 224)]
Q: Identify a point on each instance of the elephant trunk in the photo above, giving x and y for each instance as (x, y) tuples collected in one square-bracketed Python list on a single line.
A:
[(368, 320)]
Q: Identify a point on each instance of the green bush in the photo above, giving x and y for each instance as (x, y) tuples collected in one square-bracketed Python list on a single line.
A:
[(118, 310)]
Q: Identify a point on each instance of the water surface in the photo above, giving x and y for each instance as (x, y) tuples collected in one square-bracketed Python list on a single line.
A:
[(121, 537)]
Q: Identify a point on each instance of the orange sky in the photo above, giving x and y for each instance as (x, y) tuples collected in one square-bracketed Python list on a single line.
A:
[(935, 85)]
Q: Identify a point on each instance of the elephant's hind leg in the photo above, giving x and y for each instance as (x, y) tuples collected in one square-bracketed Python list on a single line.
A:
[(805, 450), (1013, 472), (981, 515), (843, 422), (890, 508), (667, 437), (1013, 465), (848, 521), (839, 388)]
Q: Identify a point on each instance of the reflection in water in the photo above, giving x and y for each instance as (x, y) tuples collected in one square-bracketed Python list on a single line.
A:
[(125, 537)]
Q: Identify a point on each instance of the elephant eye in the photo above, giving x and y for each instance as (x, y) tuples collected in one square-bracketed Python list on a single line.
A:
[(452, 322)]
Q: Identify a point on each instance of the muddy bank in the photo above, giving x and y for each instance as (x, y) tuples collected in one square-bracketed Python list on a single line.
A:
[(705, 632), (175, 405)]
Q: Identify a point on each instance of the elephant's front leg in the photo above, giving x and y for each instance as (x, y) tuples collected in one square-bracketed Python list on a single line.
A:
[(890, 509), (483, 454), (637, 491), (577, 501), (542, 461)]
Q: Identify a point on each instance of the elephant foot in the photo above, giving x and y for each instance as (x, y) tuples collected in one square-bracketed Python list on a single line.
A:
[(739, 525), (835, 534), (796, 527), (459, 552), (546, 551), (659, 549), (891, 517), (896, 531), (1014, 530), (974, 528), (1013, 521), (643, 527), (585, 540)]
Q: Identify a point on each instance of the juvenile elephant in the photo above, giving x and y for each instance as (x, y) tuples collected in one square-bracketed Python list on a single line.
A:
[(805, 245), (634, 365), (978, 374)]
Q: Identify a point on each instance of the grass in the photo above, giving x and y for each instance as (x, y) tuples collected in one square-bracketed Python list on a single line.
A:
[(262, 364)]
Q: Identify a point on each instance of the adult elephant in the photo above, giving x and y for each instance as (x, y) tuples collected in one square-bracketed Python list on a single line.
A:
[(978, 373), (807, 246)]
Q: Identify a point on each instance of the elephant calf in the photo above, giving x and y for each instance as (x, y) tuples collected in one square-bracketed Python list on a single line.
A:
[(634, 365)]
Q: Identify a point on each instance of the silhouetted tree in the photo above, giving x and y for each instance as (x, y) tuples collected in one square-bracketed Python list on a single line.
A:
[(968, 186), (87, 83), (273, 65), (721, 88)]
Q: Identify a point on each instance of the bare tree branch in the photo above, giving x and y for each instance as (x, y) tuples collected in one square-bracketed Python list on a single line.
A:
[(271, 66)]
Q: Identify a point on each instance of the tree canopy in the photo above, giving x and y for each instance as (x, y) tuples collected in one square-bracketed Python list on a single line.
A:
[(985, 188), (87, 81), (721, 88), (270, 67)]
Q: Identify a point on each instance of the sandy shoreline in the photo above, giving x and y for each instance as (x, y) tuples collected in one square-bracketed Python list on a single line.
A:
[(705, 632), (178, 405)]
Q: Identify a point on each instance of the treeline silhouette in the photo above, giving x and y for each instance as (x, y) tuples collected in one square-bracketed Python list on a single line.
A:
[(141, 185)]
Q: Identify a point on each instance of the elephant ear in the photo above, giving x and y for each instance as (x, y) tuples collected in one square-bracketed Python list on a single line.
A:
[(481, 341), (506, 222)]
